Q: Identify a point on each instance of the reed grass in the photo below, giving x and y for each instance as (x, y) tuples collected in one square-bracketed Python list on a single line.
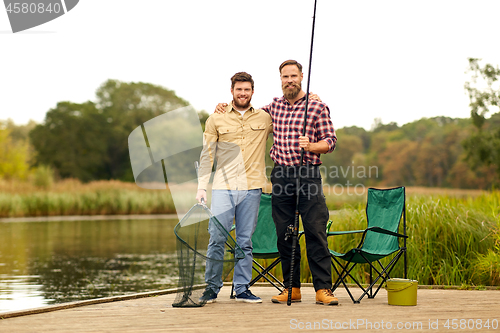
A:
[(453, 240), (71, 197)]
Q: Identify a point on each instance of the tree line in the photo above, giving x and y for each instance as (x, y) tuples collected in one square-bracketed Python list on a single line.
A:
[(428, 152), (88, 141)]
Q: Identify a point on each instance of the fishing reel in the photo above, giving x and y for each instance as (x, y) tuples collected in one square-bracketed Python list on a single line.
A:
[(290, 232)]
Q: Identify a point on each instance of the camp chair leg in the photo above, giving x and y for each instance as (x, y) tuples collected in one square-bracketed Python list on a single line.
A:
[(346, 271), (370, 291), (405, 265), (232, 296), (338, 281), (265, 272), (386, 272), (383, 275)]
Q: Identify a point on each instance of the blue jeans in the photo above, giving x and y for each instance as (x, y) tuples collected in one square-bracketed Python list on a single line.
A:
[(243, 208)]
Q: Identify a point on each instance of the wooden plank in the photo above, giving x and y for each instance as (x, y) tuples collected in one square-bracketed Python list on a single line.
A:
[(155, 314)]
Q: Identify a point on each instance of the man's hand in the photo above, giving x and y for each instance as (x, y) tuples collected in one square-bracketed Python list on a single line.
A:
[(304, 142), (201, 196), (314, 97), (220, 108), (320, 147)]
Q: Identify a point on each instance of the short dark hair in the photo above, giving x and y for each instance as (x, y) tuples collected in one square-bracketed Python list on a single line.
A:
[(241, 77), (291, 62)]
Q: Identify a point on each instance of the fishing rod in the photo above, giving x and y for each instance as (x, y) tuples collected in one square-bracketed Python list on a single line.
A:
[(295, 230)]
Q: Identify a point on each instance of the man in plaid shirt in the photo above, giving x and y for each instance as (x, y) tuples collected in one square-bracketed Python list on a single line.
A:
[(287, 114)]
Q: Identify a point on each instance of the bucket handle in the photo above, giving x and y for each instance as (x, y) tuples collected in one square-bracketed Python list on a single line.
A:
[(401, 288)]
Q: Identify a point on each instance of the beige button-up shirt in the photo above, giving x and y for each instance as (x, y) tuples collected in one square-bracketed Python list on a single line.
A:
[(238, 144)]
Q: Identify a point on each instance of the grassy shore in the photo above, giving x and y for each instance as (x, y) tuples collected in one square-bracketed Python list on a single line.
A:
[(454, 238), (71, 197)]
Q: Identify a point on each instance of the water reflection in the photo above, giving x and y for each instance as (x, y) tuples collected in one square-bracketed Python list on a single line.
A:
[(54, 262), (16, 292)]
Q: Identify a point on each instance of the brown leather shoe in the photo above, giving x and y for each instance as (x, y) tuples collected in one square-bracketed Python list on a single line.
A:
[(326, 297), (283, 297)]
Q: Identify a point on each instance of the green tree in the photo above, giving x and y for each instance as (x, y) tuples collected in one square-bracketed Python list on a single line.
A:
[(358, 132), (90, 141), (425, 153), (14, 156), (482, 147), (343, 165), (378, 126), (396, 163), (126, 106), (19, 133), (71, 140), (203, 115)]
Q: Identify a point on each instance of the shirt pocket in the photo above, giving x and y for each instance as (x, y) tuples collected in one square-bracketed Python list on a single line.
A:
[(257, 132), (227, 133)]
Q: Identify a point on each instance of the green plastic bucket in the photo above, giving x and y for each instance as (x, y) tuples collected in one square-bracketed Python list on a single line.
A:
[(402, 291)]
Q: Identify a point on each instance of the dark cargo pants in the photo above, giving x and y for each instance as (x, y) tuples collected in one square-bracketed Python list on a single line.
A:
[(314, 213)]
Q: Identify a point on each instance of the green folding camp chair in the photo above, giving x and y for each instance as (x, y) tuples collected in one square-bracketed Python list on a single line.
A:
[(384, 209), (264, 241)]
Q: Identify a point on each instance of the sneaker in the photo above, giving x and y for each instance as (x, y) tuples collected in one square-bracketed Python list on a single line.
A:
[(283, 297), (209, 296), (326, 297), (248, 297)]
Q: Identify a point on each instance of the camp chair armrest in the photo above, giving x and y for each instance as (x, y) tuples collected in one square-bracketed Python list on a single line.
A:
[(335, 233), (385, 231)]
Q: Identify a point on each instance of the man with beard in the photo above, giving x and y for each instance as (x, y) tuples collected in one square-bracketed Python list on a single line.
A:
[(236, 140), (287, 114)]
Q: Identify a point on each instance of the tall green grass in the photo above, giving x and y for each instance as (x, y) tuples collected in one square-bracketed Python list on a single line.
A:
[(74, 198), (452, 240), (86, 203)]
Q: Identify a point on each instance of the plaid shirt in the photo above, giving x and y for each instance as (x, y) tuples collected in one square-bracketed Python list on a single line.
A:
[(288, 122)]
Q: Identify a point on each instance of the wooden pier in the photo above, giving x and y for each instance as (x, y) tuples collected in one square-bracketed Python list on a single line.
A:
[(437, 310)]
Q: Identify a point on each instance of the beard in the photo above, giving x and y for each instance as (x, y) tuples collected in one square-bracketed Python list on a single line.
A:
[(245, 105), (291, 93)]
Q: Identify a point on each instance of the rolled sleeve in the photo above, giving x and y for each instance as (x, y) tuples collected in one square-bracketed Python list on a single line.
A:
[(325, 130)]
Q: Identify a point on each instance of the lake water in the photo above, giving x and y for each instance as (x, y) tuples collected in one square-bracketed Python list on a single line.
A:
[(43, 263)]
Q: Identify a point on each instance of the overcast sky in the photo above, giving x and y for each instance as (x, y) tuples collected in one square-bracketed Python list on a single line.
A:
[(395, 60)]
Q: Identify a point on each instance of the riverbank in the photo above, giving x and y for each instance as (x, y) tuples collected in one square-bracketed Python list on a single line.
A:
[(89, 218), (72, 198)]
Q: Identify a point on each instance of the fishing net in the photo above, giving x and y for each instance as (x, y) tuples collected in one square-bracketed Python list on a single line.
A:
[(194, 232)]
